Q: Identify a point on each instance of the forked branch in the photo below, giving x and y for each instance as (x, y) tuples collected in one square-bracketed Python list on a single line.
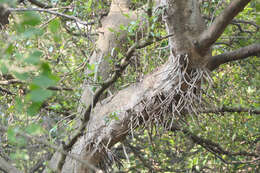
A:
[(242, 53), (209, 36)]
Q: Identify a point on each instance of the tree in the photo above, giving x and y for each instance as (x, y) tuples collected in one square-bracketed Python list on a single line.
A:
[(173, 97)]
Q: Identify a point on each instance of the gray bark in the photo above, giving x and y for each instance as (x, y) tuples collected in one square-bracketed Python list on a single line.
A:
[(138, 103)]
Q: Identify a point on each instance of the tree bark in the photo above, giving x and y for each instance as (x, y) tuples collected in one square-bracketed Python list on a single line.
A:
[(156, 97)]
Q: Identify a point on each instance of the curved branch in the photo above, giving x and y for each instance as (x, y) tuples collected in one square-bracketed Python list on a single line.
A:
[(245, 52), (209, 36)]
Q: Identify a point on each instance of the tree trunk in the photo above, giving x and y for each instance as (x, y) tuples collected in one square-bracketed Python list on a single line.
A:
[(164, 95)]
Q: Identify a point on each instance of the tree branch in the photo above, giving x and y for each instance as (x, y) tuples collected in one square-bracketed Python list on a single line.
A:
[(54, 88), (16, 81), (6, 91), (7, 167), (245, 52), (50, 11), (215, 148), (11, 81), (40, 163), (118, 72), (238, 21), (232, 110), (209, 36)]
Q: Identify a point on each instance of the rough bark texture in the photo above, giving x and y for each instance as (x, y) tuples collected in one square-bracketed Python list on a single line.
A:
[(138, 103), (185, 23), (106, 42)]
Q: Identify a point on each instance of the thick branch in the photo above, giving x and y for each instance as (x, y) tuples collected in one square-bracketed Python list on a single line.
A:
[(209, 36), (7, 167), (245, 52), (109, 82)]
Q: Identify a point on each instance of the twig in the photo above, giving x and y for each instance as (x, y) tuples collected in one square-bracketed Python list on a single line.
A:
[(236, 21), (232, 109), (6, 91), (11, 81), (16, 81), (40, 163), (50, 11), (54, 88), (215, 148), (137, 154)]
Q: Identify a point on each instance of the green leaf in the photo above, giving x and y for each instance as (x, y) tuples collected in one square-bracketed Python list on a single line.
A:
[(18, 104), (91, 67), (30, 32), (56, 107), (44, 81), (89, 5), (3, 68), (34, 58), (31, 18), (34, 129), (39, 95), (46, 68), (22, 76), (54, 26), (10, 49), (33, 109), (11, 135), (258, 19)]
